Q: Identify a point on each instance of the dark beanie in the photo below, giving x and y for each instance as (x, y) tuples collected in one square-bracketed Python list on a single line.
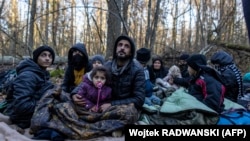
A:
[(40, 49), (143, 55), (98, 57), (184, 56), (197, 60)]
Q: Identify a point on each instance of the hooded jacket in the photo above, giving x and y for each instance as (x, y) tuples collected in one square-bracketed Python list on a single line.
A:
[(89, 92), (26, 90), (128, 86), (206, 85), (69, 78), (230, 74)]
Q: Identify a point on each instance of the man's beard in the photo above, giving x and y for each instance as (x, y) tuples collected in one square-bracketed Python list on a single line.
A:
[(183, 67), (78, 62), (123, 58)]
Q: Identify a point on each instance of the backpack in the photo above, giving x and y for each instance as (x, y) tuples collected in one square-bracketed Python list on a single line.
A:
[(237, 117), (7, 78)]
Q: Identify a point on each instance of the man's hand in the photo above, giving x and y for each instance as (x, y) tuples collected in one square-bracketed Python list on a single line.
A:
[(78, 100), (105, 106)]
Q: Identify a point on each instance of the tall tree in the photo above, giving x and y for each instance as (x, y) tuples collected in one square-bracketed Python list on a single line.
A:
[(114, 25), (155, 24), (149, 30), (246, 11), (31, 29)]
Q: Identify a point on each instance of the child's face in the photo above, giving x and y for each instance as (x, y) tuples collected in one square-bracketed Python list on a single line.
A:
[(96, 64), (99, 78)]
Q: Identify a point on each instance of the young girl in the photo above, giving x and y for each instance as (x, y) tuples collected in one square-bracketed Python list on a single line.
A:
[(95, 91)]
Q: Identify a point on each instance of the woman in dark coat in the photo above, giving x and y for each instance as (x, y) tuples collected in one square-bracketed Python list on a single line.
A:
[(157, 69)]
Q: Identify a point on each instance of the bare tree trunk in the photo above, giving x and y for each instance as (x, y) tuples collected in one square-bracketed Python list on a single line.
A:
[(27, 29), (197, 32), (125, 16), (88, 32), (202, 26), (31, 30), (1, 38), (114, 25), (2, 6), (174, 30), (13, 28), (47, 22), (148, 32), (55, 6), (190, 26), (156, 17), (72, 22), (246, 11)]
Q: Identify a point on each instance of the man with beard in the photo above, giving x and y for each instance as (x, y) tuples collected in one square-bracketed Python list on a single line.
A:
[(184, 71), (78, 65), (127, 75), (183, 65), (128, 84)]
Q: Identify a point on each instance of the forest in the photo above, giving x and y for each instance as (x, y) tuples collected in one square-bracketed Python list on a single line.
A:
[(166, 27)]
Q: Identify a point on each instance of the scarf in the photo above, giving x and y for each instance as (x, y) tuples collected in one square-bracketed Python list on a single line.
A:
[(237, 74), (118, 70)]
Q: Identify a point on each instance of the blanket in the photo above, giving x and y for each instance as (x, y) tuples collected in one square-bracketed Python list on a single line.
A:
[(181, 108), (62, 115), (8, 133)]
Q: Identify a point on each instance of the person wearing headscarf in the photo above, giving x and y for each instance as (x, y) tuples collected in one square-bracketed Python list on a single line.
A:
[(157, 69)]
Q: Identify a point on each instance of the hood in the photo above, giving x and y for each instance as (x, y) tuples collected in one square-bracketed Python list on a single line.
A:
[(222, 58), (87, 79), (124, 37), (97, 57), (29, 65), (196, 61), (81, 47)]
